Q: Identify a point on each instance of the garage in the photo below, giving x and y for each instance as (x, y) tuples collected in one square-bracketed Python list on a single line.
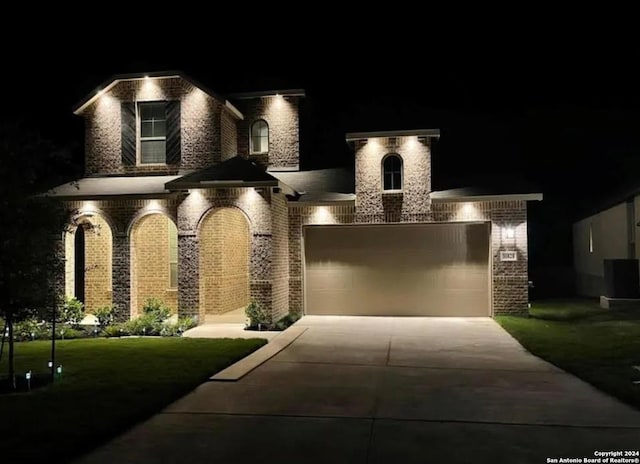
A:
[(436, 269)]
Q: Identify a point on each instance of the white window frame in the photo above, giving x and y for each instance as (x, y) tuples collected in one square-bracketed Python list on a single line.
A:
[(384, 159), (252, 151), (172, 262), (139, 137)]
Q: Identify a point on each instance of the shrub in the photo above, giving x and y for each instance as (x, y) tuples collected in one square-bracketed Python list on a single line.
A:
[(69, 333), (104, 315), (116, 330), (156, 309), (286, 321), (186, 323), (147, 324), (72, 311), (30, 329), (258, 317)]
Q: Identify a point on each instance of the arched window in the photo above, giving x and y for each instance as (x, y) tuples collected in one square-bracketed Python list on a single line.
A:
[(392, 173), (260, 137)]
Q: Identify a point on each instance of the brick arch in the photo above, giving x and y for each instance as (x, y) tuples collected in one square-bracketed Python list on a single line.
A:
[(146, 212), (224, 237), (221, 205), (97, 267), (153, 259)]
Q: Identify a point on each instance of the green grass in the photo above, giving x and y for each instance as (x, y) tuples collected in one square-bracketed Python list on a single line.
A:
[(107, 386), (599, 346)]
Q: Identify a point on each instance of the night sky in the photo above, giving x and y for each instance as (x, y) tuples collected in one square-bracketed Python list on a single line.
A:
[(563, 119)]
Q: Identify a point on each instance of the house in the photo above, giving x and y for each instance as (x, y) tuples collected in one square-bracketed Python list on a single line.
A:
[(197, 199), (608, 232)]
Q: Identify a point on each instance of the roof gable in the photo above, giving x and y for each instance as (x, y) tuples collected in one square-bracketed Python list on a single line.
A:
[(114, 80), (234, 172)]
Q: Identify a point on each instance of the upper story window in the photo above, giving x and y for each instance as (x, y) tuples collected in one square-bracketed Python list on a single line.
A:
[(392, 173), (153, 132), (259, 137)]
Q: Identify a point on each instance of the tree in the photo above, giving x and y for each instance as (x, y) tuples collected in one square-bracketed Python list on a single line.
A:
[(31, 261)]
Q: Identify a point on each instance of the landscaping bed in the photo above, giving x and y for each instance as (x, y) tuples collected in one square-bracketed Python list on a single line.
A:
[(597, 345), (106, 386)]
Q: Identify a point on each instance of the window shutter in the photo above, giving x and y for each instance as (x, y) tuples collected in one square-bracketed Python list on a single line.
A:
[(128, 128), (173, 132)]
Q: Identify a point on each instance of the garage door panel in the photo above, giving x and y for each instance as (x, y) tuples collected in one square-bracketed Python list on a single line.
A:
[(400, 269)]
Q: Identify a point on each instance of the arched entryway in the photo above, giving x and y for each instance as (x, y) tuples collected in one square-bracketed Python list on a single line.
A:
[(224, 261), (154, 262), (88, 253)]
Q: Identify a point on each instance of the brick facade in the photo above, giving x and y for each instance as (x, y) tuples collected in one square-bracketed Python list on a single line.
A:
[(224, 261), (412, 203), (150, 277), (98, 255), (281, 114), (237, 245), (206, 127)]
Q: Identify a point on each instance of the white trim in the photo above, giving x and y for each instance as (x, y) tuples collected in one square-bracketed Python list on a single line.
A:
[(236, 112), (114, 82), (506, 197), (354, 136)]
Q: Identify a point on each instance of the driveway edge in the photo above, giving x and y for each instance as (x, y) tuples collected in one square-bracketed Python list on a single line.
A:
[(241, 368)]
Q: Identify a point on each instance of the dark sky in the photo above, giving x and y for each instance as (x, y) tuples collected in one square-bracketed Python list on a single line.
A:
[(565, 117)]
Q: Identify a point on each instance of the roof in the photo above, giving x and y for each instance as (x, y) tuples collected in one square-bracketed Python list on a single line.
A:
[(482, 194), (323, 198), (268, 93), (336, 180), (98, 187), (353, 136), (627, 191), (116, 78), (234, 172)]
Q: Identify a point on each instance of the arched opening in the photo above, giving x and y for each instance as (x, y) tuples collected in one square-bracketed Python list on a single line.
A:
[(392, 172), (259, 137), (154, 262), (79, 264), (224, 262), (88, 253)]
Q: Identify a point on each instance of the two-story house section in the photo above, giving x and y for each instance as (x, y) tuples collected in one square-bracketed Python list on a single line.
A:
[(197, 199)]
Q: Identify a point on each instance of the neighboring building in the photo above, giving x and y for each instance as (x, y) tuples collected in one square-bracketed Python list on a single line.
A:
[(198, 200), (609, 233)]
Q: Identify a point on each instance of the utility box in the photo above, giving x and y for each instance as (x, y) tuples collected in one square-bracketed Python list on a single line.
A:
[(621, 278)]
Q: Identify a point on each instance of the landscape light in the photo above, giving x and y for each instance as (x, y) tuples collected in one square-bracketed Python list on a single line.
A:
[(59, 369)]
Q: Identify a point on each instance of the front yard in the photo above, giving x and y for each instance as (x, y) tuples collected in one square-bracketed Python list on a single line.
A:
[(599, 346), (107, 386)]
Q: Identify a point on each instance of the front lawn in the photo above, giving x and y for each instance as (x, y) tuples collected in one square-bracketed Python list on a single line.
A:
[(107, 386), (599, 346)]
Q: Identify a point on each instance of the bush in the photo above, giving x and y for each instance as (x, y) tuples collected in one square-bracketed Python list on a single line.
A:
[(156, 309), (30, 329), (104, 315), (286, 321), (69, 333), (258, 317), (176, 329), (186, 323), (147, 324), (72, 311), (116, 330)]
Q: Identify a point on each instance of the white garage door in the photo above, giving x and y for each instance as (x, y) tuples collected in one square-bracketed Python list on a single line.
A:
[(397, 270)]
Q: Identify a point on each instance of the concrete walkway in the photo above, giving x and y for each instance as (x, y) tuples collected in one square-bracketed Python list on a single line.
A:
[(379, 390)]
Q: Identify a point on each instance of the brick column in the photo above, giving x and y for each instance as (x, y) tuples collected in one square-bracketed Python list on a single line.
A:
[(121, 277), (260, 270), (188, 276)]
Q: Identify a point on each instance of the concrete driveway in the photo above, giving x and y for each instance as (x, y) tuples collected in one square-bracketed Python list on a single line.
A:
[(379, 390)]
